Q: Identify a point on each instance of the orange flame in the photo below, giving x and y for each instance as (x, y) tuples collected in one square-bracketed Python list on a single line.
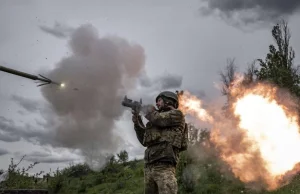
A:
[(259, 137), (190, 104)]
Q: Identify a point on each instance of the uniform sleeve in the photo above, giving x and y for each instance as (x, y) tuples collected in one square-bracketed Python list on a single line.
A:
[(139, 132), (166, 119)]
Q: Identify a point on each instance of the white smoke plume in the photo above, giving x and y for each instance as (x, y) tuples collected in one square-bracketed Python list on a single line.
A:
[(97, 75)]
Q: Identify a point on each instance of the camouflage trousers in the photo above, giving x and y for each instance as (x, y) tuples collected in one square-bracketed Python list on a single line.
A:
[(160, 179)]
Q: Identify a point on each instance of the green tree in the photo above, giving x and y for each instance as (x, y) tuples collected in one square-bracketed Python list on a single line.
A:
[(278, 67), (123, 156), (112, 159)]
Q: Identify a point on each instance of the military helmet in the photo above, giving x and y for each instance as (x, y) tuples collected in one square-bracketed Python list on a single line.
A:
[(169, 95)]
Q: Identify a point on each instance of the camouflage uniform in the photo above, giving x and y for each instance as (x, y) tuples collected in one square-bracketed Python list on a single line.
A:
[(162, 137), (160, 179)]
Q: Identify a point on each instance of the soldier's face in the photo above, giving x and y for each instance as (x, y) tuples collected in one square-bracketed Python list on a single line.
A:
[(160, 103)]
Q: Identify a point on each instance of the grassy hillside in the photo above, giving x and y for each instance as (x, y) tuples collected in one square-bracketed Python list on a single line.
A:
[(114, 178), (127, 178)]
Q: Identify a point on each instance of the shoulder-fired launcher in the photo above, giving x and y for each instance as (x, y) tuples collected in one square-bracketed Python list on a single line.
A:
[(134, 105)]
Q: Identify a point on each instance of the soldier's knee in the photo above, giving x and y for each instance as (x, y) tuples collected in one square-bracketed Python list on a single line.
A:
[(168, 186), (167, 182)]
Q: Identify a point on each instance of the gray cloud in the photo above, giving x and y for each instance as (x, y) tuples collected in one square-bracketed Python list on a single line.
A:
[(46, 157), (197, 92), (170, 81), (49, 159), (251, 12), (3, 152), (38, 154), (162, 82), (35, 106), (59, 30), (16, 3), (21, 112), (10, 132), (150, 87), (7, 137), (27, 104)]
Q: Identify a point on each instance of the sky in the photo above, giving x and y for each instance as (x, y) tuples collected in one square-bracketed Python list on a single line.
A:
[(104, 50)]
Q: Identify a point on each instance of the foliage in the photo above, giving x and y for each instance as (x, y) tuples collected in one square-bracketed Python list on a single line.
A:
[(123, 156), (278, 66), (77, 171), (20, 178), (203, 173)]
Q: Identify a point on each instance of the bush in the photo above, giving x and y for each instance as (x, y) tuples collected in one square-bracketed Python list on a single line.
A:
[(56, 182), (77, 170), (119, 185), (82, 187), (99, 179), (123, 156)]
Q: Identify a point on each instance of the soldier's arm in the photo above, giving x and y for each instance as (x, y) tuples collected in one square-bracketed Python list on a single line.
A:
[(139, 131), (166, 119)]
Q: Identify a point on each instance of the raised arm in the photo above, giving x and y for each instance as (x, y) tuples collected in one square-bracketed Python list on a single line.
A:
[(138, 129)]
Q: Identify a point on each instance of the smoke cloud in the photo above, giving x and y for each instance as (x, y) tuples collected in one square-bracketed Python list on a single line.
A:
[(82, 115), (251, 12), (97, 76)]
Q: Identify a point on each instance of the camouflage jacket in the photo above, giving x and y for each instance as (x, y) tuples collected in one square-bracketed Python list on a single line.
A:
[(159, 126)]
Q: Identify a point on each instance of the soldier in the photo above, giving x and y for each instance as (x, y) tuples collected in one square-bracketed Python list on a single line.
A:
[(163, 137)]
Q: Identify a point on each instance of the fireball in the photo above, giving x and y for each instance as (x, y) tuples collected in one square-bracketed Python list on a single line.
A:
[(259, 139), (190, 104)]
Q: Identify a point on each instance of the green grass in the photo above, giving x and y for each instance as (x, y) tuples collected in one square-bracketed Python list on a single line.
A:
[(115, 178), (128, 178), (123, 179)]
